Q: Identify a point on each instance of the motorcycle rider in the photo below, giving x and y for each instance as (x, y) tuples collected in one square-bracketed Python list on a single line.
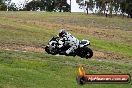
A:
[(67, 38)]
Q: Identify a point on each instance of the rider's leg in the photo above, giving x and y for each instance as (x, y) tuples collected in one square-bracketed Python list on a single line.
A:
[(71, 50)]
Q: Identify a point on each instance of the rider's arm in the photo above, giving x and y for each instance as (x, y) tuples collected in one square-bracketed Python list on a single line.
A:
[(61, 43)]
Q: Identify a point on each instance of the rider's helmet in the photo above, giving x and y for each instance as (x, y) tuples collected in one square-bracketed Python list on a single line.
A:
[(62, 33)]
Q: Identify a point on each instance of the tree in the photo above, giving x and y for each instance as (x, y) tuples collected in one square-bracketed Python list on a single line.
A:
[(81, 3), (6, 5), (70, 6), (8, 2), (129, 9), (48, 5), (33, 5), (2, 5), (116, 6), (87, 4), (126, 7), (0, 1), (12, 7), (99, 5)]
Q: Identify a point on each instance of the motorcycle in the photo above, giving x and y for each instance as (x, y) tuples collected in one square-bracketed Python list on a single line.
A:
[(83, 51)]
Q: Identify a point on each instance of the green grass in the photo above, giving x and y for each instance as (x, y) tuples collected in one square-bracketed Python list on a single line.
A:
[(115, 47), (19, 30), (40, 70)]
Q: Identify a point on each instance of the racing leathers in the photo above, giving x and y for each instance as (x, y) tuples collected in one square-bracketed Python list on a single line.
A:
[(70, 40)]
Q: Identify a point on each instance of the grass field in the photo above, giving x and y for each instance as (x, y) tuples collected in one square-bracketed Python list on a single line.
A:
[(24, 64)]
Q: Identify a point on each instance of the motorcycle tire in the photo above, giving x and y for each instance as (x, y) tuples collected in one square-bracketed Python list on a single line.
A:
[(89, 52), (47, 49), (53, 52)]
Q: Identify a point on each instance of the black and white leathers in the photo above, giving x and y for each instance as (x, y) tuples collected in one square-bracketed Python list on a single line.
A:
[(71, 41)]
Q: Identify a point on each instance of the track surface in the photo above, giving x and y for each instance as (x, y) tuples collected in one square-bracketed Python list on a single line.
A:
[(98, 55)]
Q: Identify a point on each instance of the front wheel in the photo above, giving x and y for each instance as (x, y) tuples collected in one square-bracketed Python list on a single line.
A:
[(88, 53), (85, 52)]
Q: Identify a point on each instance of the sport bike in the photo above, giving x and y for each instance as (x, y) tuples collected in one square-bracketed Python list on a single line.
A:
[(83, 50)]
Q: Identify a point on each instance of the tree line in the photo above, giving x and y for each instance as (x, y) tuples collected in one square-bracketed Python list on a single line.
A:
[(107, 6), (48, 5), (102, 6), (42, 5)]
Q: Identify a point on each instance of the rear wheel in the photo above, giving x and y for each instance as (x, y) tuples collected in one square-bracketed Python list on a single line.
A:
[(47, 49), (53, 51)]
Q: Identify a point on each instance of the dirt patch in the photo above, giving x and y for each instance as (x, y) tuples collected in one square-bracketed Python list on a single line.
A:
[(3, 26), (14, 28), (98, 55), (31, 48), (21, 47), (106, 55)]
